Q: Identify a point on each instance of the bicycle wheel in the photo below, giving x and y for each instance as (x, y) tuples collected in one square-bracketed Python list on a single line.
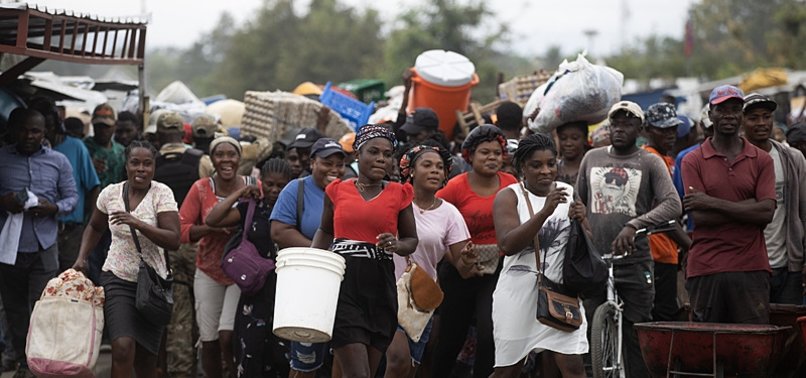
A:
[(604, 343)]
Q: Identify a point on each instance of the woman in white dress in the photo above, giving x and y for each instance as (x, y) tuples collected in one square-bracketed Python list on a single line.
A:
[(516, 331)]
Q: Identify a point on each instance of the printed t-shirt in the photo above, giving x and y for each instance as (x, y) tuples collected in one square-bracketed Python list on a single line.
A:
[(437, 230), (355, 218), (476, 210), (313, 201), (113, 158), (123, 260), (621, 189)]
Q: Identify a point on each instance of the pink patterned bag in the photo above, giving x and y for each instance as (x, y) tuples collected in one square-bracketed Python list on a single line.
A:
[(64, 338)]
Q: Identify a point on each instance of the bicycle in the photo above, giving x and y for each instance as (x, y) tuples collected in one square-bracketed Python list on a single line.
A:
[(606, 341)]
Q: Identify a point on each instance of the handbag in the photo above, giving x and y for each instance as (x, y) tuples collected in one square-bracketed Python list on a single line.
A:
[(154, 296), (64, 337), (425, 292), (556, 307), (583, 268), (412, 319), (489, 258), (243, 263)]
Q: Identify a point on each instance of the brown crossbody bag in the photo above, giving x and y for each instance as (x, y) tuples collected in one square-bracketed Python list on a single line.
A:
[(556, 308)]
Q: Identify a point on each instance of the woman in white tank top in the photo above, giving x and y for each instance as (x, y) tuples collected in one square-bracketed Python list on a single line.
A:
[(516, 331)]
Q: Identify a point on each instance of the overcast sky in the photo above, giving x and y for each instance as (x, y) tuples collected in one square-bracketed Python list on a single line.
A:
[(535, 24)]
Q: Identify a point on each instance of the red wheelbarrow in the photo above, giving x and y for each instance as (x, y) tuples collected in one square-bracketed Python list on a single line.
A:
[(685, 349)]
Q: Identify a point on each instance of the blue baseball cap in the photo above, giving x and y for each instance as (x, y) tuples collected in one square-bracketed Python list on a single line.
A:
[(723, 93), (684, 127)]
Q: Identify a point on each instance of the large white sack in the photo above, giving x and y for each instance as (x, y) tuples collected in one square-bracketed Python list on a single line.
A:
[(579, 91)]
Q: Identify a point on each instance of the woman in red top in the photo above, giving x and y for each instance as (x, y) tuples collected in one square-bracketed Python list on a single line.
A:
[(466, 297), (216, 295), (365, 220)]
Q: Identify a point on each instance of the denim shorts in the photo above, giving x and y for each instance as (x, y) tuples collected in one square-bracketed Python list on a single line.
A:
[(307, 357), (417, 349)]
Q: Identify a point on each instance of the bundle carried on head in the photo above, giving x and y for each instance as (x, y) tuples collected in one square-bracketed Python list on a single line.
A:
[(579, 91)]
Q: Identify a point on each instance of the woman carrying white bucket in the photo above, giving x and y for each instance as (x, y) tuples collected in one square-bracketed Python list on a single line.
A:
[(366, 220)]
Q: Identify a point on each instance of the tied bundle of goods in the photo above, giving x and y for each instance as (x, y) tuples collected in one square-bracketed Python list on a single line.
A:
[(271, 114), (578, 91)]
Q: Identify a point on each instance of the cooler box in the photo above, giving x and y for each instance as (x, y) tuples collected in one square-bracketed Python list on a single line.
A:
[(442, 80)]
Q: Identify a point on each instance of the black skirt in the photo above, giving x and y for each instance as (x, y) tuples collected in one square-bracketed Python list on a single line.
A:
[(121, 316), (367, 309)]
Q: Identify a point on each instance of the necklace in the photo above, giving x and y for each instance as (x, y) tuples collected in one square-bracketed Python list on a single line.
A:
[(363, 187), (430, 207)]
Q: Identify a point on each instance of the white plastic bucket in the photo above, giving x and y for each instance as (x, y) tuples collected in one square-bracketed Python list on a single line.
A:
[(307, 293), (445, 68)]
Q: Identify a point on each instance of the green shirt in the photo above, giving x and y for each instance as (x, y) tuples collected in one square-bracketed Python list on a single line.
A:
[(113, 158)]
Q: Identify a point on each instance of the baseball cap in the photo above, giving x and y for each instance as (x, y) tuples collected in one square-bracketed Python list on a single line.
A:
[(704, 118), (422, 119), (204, 126), (627, 106), (758, 100), (347, 141), (325, 147), (305, 138), (723, 93), (684, 127), (662, 115), (170, 121), (104, 114), (796, 133)]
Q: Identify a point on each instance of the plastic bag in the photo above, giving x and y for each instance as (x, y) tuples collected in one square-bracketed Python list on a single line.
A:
[(579, 91)]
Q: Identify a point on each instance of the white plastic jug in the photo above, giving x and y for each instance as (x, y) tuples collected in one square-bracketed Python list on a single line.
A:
[(307, 293)]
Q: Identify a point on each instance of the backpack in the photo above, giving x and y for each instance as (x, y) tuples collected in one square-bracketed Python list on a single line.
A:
[(179, 171)]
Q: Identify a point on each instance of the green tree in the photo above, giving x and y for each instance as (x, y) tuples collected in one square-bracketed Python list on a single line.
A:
[(279, 49), (447, 25)]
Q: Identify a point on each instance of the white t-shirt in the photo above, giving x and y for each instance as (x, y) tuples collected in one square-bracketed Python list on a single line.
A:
[(775, 232), (437, 230), (123, 260)]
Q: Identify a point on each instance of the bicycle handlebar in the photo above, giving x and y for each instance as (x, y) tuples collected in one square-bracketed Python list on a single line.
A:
[(649, 230)]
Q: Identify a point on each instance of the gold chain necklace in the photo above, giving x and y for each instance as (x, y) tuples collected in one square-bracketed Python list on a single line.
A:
[(430, 207), (363, 187)]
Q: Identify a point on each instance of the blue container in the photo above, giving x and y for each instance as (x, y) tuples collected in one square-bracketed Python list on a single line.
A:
[(354, 111)]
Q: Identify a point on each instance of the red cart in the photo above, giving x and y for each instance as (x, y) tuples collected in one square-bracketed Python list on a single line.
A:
[(687, 349)]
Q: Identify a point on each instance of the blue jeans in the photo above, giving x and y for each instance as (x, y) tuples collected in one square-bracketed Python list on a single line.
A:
[(417, 349), (307, 357)]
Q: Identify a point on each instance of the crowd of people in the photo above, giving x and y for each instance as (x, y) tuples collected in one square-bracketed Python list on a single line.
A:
[(483, 216)]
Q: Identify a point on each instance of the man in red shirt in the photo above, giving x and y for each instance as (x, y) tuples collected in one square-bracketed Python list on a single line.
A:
[(730, 193)]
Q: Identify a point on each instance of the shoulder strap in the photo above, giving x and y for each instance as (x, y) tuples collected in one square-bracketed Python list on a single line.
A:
[(131, 228), (536, 240), (300, 201), (134, 231), (250, 213)]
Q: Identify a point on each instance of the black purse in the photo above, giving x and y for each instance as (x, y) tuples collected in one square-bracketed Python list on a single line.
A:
[(154, 297), (556, 306), (584, 270)]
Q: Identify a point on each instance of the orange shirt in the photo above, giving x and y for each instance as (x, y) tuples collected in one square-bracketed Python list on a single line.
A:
[(662, 247)]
